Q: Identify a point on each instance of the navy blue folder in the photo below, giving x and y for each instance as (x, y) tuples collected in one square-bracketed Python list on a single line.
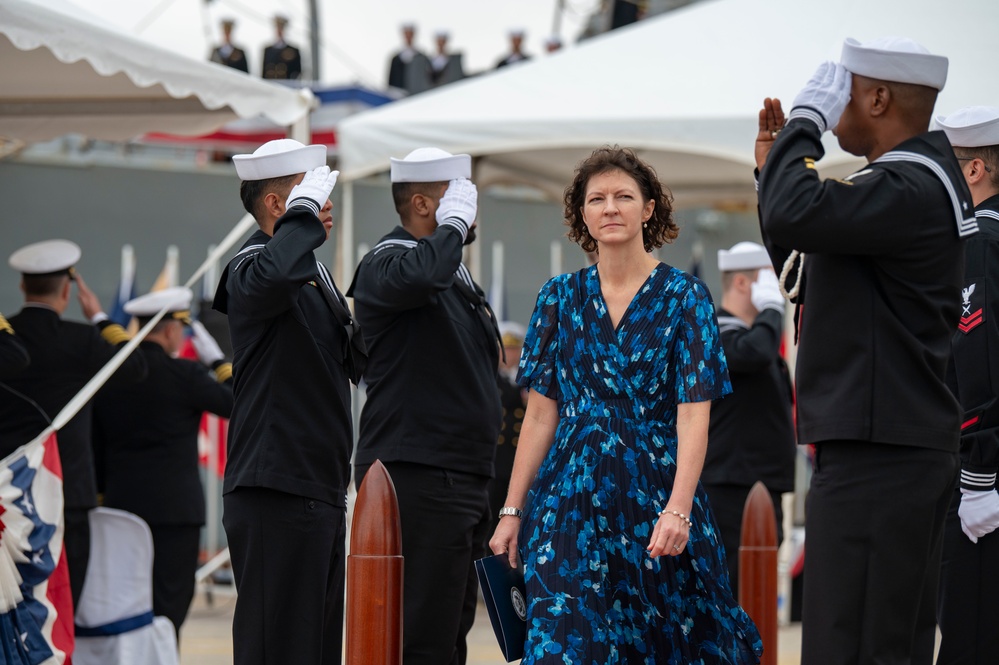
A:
[(503, 590)]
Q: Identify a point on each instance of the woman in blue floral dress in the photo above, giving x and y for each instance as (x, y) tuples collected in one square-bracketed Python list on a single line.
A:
[(622, 561)]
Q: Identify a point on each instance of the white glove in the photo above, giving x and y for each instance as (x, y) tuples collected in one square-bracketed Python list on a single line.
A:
[(824, 97), (766, 292), (208, 350), (459, 205), (314, 190), (979, 513)]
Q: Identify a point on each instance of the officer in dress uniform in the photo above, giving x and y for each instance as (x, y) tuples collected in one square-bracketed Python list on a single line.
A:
[(432, 413), (146, 437), (446, 65), (516, 53), (513, 400), (968, 606), (65, 355), (227, 53), (281, 59), (410, 70), (295, 350), (751, 431), (13, 356), (878, 303)]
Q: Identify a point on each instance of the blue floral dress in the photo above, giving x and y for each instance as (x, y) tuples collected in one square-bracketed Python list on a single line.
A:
[(595, 596)]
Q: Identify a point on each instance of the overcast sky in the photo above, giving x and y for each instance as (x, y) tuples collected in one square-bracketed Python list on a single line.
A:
[(358, 37)]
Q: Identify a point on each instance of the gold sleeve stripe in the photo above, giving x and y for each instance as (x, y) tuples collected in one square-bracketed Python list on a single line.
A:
[(115, 334), (5, 325), (809, 163), (223, 372)]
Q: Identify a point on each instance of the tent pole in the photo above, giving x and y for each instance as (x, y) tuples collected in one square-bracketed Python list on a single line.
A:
[(346, 236)]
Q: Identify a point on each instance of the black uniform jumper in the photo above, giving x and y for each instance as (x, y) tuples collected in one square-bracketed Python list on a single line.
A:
[(432, 416), (290, 440), (968, 607), (146, 443), (879, 303), (751, 433)]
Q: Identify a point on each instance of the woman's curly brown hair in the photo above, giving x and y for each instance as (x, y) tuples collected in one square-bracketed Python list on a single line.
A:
[(659, 230)]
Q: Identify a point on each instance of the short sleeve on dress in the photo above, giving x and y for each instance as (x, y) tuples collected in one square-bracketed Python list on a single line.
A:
[(537, 360), (701, 369)]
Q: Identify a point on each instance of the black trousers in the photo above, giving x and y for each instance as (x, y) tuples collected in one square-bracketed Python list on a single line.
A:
[(968, 606), (873, 536), (727, 504), (175, 562), (444, 521), (288, 564), (76, 543)]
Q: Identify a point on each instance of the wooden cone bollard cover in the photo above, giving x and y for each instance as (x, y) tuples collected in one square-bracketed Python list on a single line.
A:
[(374, 574), (758, 568)]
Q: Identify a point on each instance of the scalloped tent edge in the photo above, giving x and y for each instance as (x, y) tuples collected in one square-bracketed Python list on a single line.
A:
[(67, 72)]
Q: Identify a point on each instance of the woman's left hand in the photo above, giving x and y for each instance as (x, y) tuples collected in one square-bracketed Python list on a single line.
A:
[(670, 535)]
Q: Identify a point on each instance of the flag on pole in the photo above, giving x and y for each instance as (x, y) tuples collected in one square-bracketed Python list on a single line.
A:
[(126, 288), (36, 607), (171, 270)]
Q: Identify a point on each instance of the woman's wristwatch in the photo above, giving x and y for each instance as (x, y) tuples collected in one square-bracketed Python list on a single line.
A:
[(509, 510)]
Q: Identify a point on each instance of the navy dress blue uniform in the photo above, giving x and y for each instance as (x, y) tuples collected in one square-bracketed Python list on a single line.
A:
[(968, 609), (751, 431), (65, 355), (13, 356), (290, 441), (282, 61), (878, 303), (147, 436), (432, 416), (230, 56)]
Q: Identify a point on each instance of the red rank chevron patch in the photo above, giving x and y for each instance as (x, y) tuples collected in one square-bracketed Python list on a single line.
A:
[(970, 322)]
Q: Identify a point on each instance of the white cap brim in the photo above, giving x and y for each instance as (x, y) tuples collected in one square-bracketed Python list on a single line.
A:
[(971, 127), (48, 256), (276, 159), (172, 299), (743, 256), (441, 169), (895, 59)]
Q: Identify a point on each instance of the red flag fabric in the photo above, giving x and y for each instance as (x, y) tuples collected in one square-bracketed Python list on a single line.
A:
[(36, 607)]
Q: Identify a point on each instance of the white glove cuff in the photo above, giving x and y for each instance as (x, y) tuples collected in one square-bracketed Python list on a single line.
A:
[(777, 307), (303, 202), (457, 224), (98, 317), (809, 114)]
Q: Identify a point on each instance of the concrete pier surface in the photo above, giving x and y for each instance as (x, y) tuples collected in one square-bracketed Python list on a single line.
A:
[(206, 637)]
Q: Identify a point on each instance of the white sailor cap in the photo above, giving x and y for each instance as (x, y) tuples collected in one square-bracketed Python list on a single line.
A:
[(277, 158), (176, 300), (512, 333), (516, 33), (46, 257), (971, 127), (743, 256), (897, 59), (408, 26), (442, 34), (430, 165)]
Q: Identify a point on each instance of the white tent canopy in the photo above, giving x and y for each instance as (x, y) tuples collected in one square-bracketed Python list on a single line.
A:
[(684, 89), (63, 71)]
